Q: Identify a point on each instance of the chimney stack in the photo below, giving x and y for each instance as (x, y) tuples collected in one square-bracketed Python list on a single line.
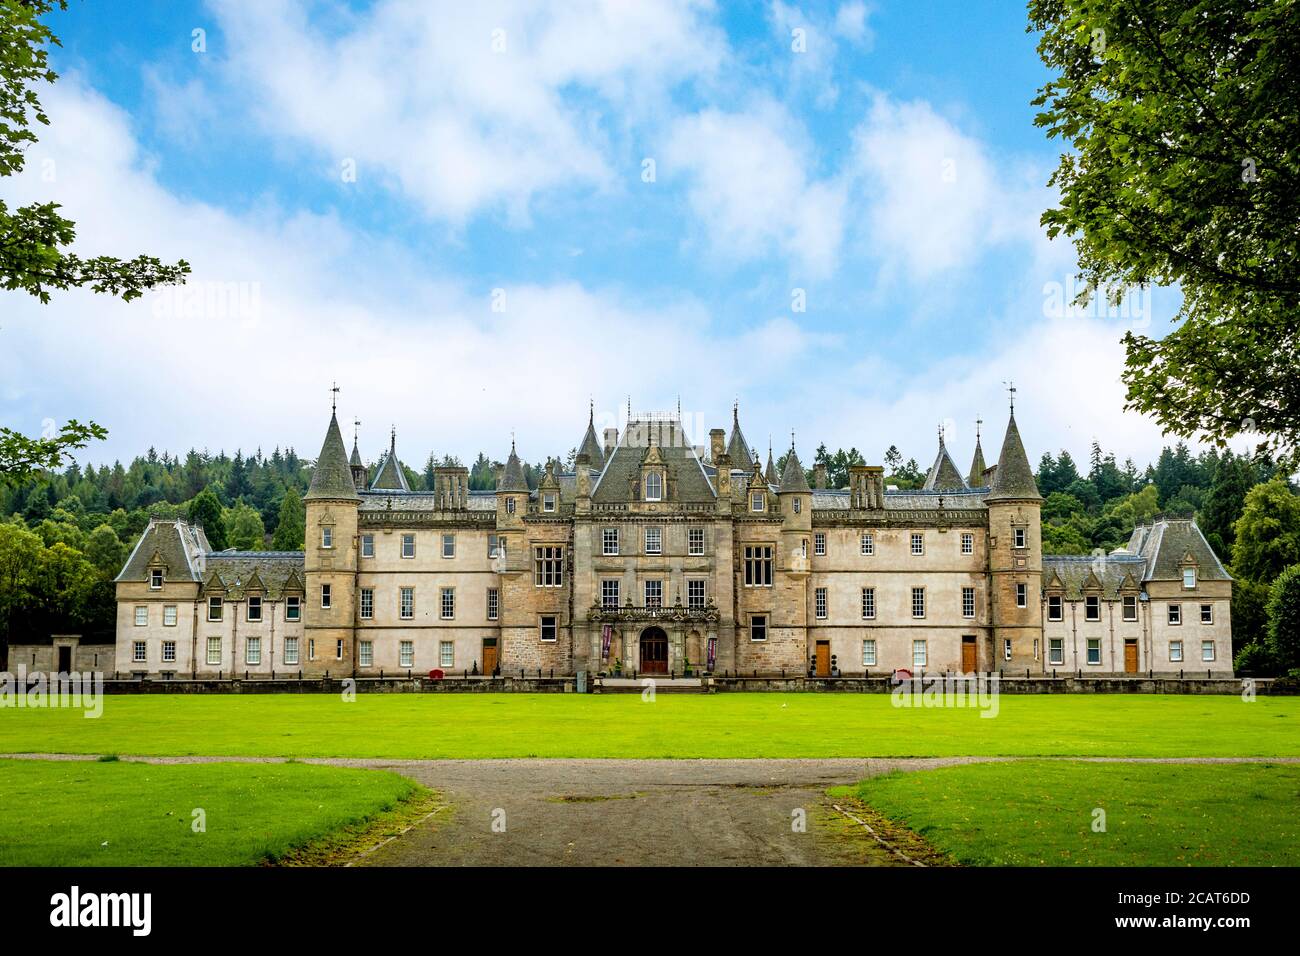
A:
[(717, 443), (611, 441), (819, 476)]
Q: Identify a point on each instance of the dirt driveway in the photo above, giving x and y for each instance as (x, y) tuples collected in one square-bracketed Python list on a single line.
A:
[(638, 812)]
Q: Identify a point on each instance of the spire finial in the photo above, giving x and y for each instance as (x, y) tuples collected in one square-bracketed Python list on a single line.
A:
[(978, 423), (629, 407), (735, 411), (356, 429), (792, 439), (334, 398), (941, 433), (591, 410), (1011, 390)]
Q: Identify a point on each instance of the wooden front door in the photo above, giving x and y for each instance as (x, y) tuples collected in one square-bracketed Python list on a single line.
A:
[(1130, 656), (65, 659), (823, 658), (969, 657), (654, 651), (489, 655)]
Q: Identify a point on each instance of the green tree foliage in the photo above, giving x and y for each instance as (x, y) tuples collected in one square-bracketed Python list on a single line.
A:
[(244, 529), (1268, 532), (1249, 612), (21, 458), (106, 551), (1283, 640), (291, 528), (1233, 477), (206, 510), (1182, 166)]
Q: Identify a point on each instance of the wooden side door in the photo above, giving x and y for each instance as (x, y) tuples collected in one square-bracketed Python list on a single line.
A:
[(489, 655), (969, 657), (1130, 655), (823, 658)]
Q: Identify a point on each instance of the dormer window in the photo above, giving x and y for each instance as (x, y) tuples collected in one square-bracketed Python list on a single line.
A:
[(654, 486), (1189, 578), (757, 501), (155, 579), (254, 608), (548, 502)]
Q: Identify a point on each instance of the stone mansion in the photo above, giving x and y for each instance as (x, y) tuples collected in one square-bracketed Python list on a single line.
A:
[(653, 555)]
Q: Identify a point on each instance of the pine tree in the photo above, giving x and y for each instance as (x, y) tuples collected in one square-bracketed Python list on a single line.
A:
[(205, 509), (292, 526)]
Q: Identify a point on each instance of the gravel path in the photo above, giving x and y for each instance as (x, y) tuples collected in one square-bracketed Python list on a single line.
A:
[(639, 812)]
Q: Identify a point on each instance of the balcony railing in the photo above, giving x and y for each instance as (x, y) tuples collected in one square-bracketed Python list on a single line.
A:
[(675, 613)]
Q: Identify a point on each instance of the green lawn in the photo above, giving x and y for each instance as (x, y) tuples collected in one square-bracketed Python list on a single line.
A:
[(1041, 813), (81, 813), (721, 725)]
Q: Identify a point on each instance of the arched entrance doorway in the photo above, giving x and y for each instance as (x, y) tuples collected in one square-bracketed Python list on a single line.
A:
[(654, 651)]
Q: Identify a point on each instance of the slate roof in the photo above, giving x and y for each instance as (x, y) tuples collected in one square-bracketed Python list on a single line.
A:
[(355, 460), (374, 501), (943, 474), (512, 476), (590, 445), (977, 467), (391, 476), (1073, 574), (741, 455), (1014, 479), (1167, 542), (332, 476), (793, 478), (967, 500), (180, 546), (620, 480), (769, 473), (274, 571)]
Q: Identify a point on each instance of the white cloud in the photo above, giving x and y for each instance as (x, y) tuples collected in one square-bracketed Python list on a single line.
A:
[(934, 198), (750, 188), (430, 356), (467, 107)]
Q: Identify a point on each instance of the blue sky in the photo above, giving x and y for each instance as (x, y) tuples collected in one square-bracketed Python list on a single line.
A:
[(446, 208)]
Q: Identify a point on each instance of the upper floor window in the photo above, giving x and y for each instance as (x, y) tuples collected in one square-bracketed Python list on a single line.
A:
[(169, 615), (496, 545), (868, 603), (967, 602), (367, 545), (798, 505), (918, 544), (695, 540), (510, 506), (1175, 614), (1092, 608), (609, 593), (758, 565), (155, 579), (757, 501), (819, 603), (695, 594), (609, 541), (1022, 595), (654, 486), (141, 616), (1189, 578), (367, 597), (327, 537), (967, 543), (548, 566), (214, 609), (819, 543), (868, 543), (326, 596), (548, 502), (1054, 609), (448, 604), (1207, 614), (493, 604), (408, 545), (918, 602), (654, 540), (1130, 607), (654, 593), (254, 608), (1018, 539), (449, 546), (292, 609)]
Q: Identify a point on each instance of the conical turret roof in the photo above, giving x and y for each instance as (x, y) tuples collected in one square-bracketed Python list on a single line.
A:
[(512, 478), (355, 460), (769, 473), (737, 447), (332, 477), (793, 478), (1014, 479), (977, 466)]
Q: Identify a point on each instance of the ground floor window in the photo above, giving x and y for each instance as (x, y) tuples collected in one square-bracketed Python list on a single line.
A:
[(758, 627), (214, 650), (253, 651), (169, 652), (1094, 650), (1055, 650), (548, 631), (918, 654), (138, 652), (407, 657), (1006, 648), (447, 654), (1207, 650), (869, 653), (291, 650), (367, 653), (1176, 651)]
